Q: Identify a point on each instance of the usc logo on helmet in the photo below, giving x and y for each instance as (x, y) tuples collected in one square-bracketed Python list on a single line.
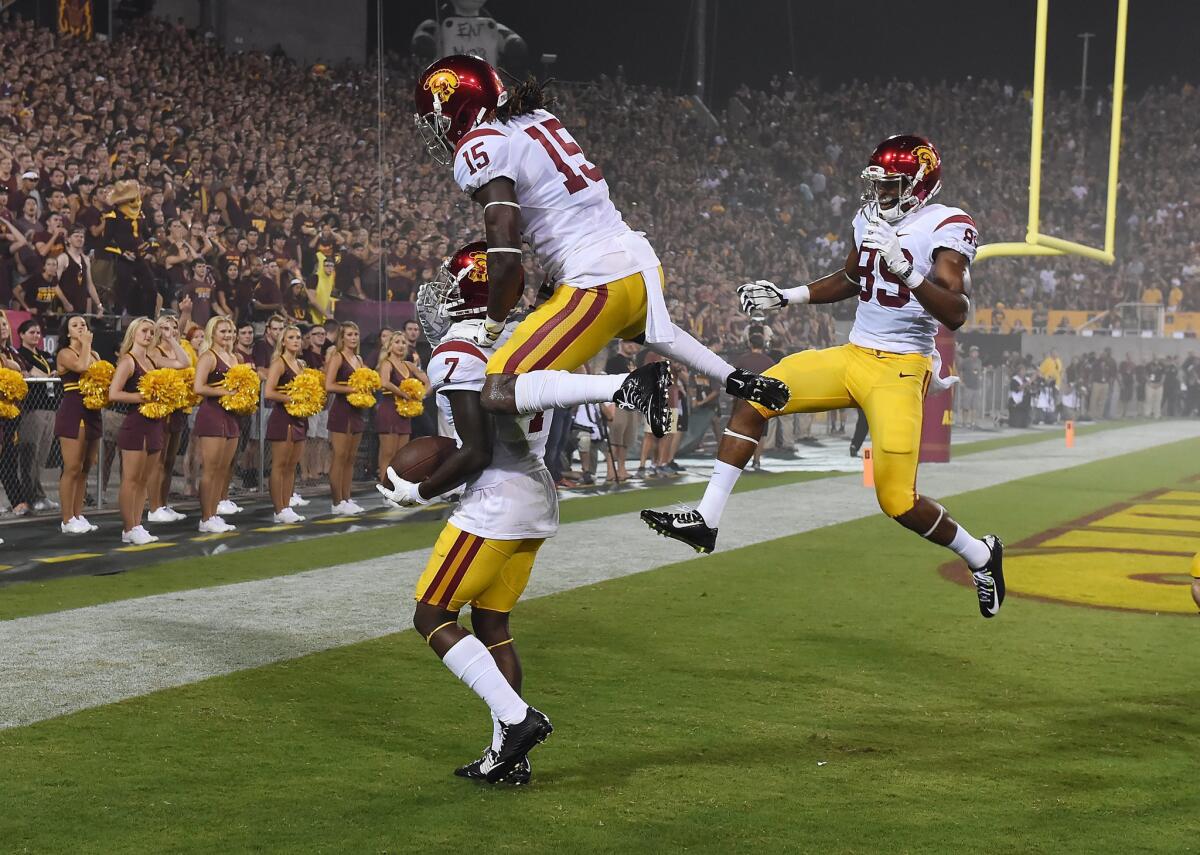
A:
[(442, 84), (926, 157), (478, 271)]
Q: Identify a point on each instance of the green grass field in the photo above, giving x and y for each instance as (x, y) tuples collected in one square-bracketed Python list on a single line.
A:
[(823, 692)]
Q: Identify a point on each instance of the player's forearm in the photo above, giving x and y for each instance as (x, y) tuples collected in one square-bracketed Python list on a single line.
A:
[(504, 284), (948, 307), (834, 288), (462, 466)]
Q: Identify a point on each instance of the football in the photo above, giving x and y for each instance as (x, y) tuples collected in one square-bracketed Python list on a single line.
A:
[(421, 457)]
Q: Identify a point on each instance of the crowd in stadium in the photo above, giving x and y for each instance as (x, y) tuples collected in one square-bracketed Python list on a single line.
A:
[(260, 160), (260, 181)]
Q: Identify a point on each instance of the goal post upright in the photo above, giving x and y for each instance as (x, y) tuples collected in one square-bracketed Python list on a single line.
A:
[(1037, 243)]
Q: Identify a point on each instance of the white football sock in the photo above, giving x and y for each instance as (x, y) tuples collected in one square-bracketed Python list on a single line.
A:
[(496, 734), (470, 662), (716, 494), (693, 354), (538, 391), (972, 550)]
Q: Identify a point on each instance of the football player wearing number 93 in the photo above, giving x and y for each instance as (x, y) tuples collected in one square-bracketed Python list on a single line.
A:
[(536, 184), (909, 266)]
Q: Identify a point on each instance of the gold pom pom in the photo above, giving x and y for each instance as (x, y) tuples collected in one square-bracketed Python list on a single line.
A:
[(189, 350), (365, 382), (191, 400), (412, 404), (13, 388), (9, 411), (93, 384), (307, 393), (161, 390), (242, 382)]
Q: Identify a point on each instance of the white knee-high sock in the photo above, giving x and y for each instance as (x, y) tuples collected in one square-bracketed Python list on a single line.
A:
[(718, 491), (470, 661), (693, 354), (538, 391), (972, 550)]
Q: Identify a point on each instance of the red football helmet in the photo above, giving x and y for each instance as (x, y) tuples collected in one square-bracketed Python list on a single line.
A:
[(458, 292), (904, 173), (453, 95)]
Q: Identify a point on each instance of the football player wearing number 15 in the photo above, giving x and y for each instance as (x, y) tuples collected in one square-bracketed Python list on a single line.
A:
[(909, 266), (535, 184)]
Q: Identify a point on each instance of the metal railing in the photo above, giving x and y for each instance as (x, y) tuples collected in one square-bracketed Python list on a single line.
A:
[(1133, 319)]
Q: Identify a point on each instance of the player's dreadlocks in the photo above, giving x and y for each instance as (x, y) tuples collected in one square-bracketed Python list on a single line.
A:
[(524, 98)]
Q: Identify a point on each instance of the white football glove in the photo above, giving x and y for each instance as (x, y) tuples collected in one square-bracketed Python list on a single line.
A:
[(759, 296), (489, 332), (881, 236), (404, 494)]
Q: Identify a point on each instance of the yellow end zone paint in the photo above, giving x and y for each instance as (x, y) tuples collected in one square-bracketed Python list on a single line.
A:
[(1178, 496), (75, 556), (1143, 565), (205, 538), (270, 528), (333, 520), (145, 547)]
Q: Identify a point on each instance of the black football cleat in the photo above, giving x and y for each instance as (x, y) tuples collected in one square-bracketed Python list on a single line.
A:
[(757, 389), (477, 770), (516, 741), (989, 579), (648, 389), (685, 526)]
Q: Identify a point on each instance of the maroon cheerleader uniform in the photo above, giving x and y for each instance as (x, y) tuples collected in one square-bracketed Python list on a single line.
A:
[(73, 416), (344, 418), (281, 426), (137, 432), (211, 418), (387, 420)]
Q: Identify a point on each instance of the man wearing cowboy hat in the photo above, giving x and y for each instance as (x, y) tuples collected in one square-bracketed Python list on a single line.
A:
[(125, 235)]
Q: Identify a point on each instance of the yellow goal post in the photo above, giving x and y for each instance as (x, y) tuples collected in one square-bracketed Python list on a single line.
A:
[(1035, 242)]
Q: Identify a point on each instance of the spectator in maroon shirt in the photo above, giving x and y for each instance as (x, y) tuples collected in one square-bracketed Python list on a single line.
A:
[(267, 299), (200, 289), (264, 348)]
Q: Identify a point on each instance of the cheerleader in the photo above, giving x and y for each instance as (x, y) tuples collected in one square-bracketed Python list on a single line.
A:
[(216, 428), (167, 352), (191, 461), (285, 432), (10, 466), (140, 438), (78, 429), (394, 429), (345, 421)]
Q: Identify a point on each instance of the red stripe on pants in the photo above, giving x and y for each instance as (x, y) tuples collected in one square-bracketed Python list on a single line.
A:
[(447, 563)]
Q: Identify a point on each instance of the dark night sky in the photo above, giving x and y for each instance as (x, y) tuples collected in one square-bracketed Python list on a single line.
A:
[(841, 41)]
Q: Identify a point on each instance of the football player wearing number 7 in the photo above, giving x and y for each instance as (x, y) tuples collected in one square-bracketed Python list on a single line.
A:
[(509, 507), (909, 267), (535, 184)]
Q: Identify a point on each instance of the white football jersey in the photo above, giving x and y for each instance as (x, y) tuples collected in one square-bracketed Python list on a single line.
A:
[(515, 496), (889, 318), (567, 217)]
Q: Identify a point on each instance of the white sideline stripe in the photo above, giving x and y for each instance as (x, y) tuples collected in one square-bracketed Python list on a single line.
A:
[(67, 661)]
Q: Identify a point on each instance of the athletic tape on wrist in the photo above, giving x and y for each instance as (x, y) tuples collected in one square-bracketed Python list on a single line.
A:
[(735, 435)]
